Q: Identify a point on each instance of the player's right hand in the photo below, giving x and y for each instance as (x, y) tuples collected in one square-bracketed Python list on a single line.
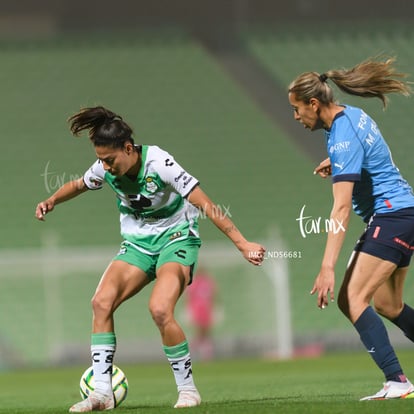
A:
[(324, 169), (43, 208)]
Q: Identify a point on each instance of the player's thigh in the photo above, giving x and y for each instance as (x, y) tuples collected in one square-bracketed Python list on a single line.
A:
[(179, 258), (120, 281), (367, 275), (175, 269), (169, 285)]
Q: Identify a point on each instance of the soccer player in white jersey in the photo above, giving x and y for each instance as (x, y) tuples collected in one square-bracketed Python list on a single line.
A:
[(366, 180), (159, 202)]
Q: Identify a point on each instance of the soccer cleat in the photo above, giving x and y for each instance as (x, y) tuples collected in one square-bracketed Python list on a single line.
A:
[(392, 389), (94, 402), (188, 398)]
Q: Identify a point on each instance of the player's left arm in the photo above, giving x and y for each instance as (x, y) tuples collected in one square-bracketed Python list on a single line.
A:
[(253, 252), (66, 192), (339, 220)]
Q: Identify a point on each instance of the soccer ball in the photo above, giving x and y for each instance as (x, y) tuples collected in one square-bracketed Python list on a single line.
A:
[(119, 384)]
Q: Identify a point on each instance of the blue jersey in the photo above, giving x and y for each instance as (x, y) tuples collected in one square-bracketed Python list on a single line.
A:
[(359, 153)]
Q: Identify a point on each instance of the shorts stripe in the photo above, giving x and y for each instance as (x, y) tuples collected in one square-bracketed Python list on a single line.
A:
[(403, 243)]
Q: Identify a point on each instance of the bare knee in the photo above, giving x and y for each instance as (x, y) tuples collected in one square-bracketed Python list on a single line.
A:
[(102, 305), (352, 305), (388, 310), (160, 314)]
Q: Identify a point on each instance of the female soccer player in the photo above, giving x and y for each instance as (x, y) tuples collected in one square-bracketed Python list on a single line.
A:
[(159, 203), (364, 178)]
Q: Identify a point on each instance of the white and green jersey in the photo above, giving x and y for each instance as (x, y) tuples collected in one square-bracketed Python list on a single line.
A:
[(154, 211)]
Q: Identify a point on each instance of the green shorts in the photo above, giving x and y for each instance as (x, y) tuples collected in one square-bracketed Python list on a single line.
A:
[(184, 252)]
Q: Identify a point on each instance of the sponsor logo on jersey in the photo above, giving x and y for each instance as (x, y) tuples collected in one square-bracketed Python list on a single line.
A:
[(182, 174), (187, 181), (363, 120), (184, 177), (138, 202), (339, 147), (370, 139)]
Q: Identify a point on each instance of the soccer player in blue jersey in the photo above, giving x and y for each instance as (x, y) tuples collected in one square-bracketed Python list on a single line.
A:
[(366, 180), (159, 202)]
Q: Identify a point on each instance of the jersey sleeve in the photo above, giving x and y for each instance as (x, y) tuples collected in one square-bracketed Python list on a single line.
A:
[(346, 154), (171, 172), (94, 176)]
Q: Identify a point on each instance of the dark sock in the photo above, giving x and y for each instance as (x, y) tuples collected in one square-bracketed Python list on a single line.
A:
[(374, 336), (405, 321)]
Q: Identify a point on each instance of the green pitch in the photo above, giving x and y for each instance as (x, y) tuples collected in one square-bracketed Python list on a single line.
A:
[(331, 384)]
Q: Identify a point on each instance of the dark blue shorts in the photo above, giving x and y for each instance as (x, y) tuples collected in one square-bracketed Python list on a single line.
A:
[(390, 237)]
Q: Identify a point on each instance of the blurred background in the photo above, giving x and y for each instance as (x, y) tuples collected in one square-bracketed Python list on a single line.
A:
[(206, 81)]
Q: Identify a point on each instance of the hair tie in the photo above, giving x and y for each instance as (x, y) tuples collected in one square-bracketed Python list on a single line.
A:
[(323, 77)]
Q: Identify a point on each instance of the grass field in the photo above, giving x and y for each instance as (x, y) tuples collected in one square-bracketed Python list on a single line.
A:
[(332, 384)]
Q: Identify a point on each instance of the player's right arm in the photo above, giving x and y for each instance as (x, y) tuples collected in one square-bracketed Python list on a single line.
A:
[(68, 191)]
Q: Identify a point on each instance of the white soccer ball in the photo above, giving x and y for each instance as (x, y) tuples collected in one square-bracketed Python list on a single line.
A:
[(119, 384)]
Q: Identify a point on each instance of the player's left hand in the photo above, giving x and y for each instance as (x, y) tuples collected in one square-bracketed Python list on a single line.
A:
[(324, 287)]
